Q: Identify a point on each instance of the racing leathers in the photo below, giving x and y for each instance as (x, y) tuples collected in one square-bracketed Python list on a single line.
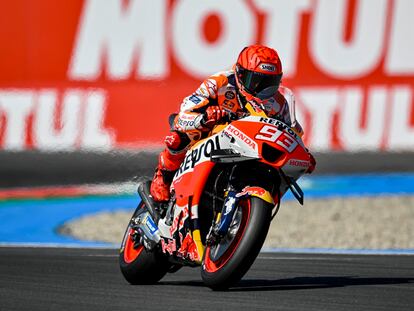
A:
[(207, 106)]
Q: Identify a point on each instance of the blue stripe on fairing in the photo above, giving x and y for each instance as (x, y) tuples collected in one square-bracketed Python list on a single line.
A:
[(33, 222)]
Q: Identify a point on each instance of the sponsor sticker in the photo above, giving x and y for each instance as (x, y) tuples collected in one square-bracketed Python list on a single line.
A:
[(229, 205), (251, 191), (267, 67), (195, 99), (238, 133), (168, 245), (299, 163), (229, 95), (280, 125), (185, 123), (228, 104), (200, 153), (151, 225)]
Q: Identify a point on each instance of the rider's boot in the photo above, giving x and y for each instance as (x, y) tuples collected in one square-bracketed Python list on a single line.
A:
[(168, 164)]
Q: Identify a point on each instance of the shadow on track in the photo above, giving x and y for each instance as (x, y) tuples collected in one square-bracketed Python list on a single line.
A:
[(299, 283), (314, 283)]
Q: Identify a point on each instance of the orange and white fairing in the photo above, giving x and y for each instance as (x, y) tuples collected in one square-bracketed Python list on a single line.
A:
[(255, 137), (248, 137)]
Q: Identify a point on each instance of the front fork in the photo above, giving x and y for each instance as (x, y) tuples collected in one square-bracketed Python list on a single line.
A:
[(224, 218)]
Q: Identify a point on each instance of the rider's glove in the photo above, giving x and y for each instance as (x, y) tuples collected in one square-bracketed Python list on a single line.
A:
[(213, 115), (312, 165)]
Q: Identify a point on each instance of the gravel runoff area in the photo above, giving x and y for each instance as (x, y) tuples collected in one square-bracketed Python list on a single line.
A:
[(384, 222)]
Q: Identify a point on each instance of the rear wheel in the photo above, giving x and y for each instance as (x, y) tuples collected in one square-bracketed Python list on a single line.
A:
[(138, 265), (225, 263)]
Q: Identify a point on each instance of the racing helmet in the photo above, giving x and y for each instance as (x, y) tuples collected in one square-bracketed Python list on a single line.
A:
[(258, 73)]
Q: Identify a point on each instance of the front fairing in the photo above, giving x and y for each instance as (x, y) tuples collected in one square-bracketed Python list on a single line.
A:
[(270, 141), (254, 137)]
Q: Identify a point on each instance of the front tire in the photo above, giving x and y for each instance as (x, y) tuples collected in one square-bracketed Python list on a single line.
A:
[(139, 266), (221, 272)]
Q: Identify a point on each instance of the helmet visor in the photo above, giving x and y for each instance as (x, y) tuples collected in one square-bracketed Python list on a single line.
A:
[(259, 84)]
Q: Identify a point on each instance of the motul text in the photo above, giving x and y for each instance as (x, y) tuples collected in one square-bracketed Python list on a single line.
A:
[(349, 63)]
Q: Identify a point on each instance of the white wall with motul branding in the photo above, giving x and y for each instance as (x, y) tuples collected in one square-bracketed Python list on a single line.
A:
[(105, 75)]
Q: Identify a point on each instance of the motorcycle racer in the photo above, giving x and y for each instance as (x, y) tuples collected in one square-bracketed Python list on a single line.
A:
[(255, 78)]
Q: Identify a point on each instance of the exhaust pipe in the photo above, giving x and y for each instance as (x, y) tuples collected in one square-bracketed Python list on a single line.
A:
[(144, 193), (144, 222)]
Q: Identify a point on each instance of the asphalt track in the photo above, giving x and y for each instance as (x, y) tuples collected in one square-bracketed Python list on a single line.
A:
[(89, 279)]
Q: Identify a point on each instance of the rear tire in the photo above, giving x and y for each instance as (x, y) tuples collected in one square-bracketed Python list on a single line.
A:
[(232, 265), (139, 266)]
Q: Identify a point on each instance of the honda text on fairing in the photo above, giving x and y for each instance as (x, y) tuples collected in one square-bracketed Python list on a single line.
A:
[(223, 198)]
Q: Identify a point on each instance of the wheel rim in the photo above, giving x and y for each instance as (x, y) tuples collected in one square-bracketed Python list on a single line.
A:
[(218, 255), (131, 253)]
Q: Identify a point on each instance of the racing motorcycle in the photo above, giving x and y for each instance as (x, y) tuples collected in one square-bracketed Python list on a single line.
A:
[(223, 199)]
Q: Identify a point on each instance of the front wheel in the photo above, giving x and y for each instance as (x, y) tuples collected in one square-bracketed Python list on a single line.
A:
[(138, 265), (225, 263)]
